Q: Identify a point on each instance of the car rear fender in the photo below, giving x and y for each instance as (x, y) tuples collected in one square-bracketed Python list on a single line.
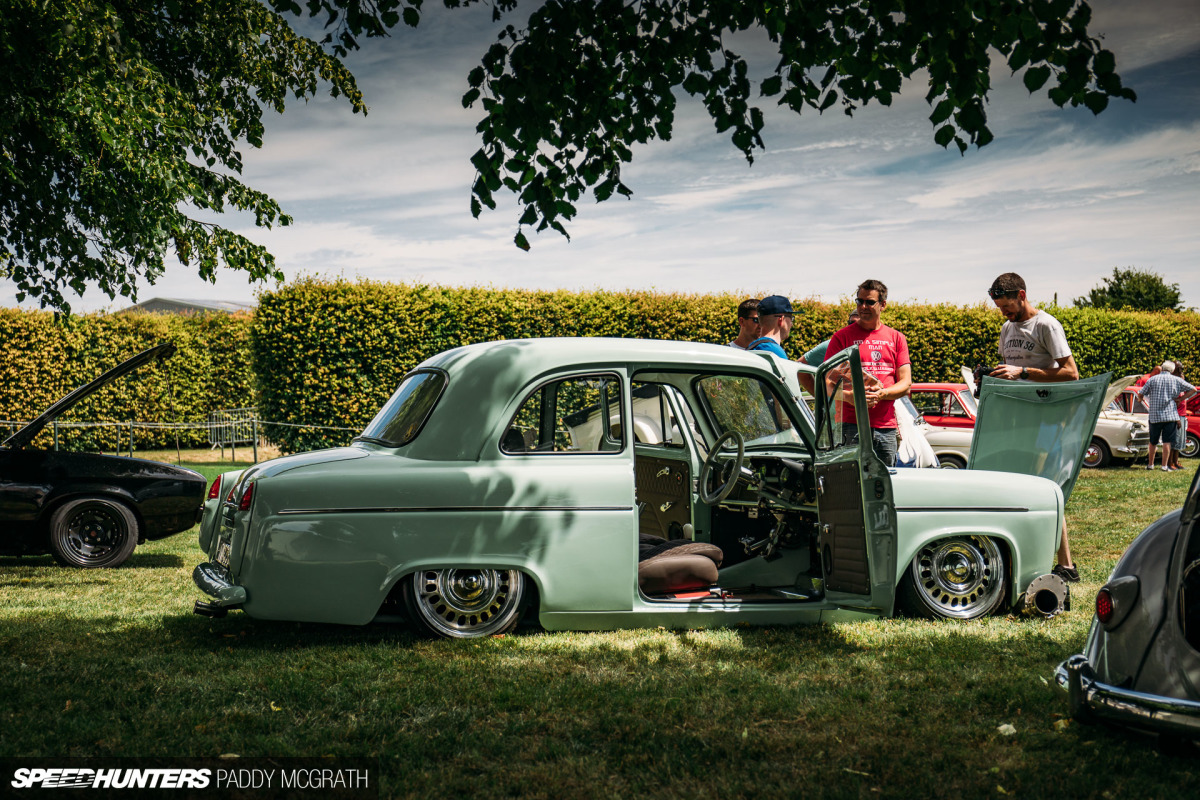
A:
[(62, 495)]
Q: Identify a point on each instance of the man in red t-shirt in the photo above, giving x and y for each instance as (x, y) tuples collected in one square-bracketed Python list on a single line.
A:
[(884, 355)]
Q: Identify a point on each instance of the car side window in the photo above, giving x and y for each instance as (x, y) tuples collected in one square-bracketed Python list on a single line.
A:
[(580, 414), (928, 403), (954, 407)]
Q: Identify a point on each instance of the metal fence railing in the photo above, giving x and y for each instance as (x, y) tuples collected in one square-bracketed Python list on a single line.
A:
[(225, 428)]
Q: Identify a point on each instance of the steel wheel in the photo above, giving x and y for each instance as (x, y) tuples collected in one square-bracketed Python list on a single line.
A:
[(92, 532), (1096, 455), (1191, 446), (960, 578), (466, 603)]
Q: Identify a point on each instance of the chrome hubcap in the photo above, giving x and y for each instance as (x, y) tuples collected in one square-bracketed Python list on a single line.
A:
[(467, 602), (960, 578)]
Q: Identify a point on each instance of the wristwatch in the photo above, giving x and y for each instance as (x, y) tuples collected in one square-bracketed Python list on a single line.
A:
[(1024, 373)]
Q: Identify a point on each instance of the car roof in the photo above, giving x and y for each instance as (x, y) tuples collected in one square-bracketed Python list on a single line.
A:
[(937, 387), (484, 380)]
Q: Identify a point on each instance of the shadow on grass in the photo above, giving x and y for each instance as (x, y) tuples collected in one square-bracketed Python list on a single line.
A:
[(820, 711)]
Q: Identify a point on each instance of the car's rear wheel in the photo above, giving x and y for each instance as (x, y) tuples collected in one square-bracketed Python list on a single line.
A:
[(465, 603), (958, 578), (948, 461), (1097, 454), (92, 532), (1191, 446)]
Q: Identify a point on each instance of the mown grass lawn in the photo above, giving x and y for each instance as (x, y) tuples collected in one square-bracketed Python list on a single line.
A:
[(113, 663)]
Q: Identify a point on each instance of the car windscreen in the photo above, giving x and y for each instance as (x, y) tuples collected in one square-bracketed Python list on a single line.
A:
[(401, 418), (748, 406)]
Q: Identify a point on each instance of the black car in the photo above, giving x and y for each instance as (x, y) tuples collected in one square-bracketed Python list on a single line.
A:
[(86, 509), (1141, 664)]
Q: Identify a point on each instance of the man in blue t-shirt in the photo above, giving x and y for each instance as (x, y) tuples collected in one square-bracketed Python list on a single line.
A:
[(775, 323)]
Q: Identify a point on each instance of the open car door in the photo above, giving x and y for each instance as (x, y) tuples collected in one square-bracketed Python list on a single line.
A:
[(1040, 429), (857, 539)]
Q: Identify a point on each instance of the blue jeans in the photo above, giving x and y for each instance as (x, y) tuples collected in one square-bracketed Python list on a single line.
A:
[(883, 441)]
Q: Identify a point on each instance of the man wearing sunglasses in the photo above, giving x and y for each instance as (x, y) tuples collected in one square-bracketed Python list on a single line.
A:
[(775, 320), (884, 355), (1033, 347), (747, 317)]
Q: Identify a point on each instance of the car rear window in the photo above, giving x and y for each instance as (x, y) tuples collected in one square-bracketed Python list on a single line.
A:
[(401, 418)]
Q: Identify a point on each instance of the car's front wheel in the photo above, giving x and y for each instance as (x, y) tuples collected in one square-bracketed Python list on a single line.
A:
[(465, 603), (92, 532), (1097, 454), (958, 578)]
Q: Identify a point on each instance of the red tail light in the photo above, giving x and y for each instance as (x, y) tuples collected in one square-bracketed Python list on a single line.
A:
[(247, 496), (1104, 606), (214, 491)]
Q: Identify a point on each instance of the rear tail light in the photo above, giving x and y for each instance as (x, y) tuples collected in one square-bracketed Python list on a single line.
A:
[(247, 496), (1104, 606), (214, 491)]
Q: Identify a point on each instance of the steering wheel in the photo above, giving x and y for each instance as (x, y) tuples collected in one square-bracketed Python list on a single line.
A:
[(710, 463)]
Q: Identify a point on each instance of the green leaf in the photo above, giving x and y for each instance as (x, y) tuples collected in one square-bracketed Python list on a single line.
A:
[(1104, 63), (520, 241), (1036, 77), (695, 83), (942, 112), (771, 86), (944, 135), (1095, 101), (411, 17)]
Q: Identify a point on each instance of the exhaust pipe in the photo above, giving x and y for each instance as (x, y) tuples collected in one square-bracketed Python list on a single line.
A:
[(210, 610), (1047, 596)]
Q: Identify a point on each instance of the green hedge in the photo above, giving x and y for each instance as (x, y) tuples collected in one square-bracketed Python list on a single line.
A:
[(43, 358), (329, 353)]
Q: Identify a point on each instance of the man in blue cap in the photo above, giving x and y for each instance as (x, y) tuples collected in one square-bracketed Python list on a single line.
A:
[(775, 323)]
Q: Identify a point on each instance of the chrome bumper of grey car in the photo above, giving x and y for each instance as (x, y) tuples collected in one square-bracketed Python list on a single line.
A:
[(1091, 698), (216, 582)]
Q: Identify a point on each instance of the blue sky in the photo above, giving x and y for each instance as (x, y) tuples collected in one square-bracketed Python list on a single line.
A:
[(1061, 196)]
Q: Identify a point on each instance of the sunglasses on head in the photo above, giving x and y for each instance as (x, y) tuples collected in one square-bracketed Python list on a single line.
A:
[(996, 294), (865, 302)]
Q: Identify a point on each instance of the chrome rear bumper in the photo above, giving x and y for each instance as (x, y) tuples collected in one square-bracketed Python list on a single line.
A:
[(1091, 699), (216, 582)]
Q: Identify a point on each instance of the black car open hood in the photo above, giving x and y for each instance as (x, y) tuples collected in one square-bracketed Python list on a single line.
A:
[(27, 434)]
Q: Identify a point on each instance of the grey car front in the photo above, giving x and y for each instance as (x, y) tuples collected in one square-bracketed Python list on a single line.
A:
[(1141, 664)]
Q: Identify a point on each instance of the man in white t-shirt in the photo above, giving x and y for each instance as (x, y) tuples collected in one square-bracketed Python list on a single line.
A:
[(1033, 347), (747, 317)]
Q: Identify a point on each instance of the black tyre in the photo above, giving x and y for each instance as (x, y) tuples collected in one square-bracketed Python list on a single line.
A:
[(1191, 446), (465, 603), (948, 461), (1097, 454), (92, 532), (959, 578)]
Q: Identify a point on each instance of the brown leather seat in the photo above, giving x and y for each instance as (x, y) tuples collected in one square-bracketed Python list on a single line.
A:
[(678, 565)]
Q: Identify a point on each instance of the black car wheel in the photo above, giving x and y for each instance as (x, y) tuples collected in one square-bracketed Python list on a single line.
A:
[(1191, 446), (92, 532), (1097, 454), (947, 461), (959, 578), (466, 603)]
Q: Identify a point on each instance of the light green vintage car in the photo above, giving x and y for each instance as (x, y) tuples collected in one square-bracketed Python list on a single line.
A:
[(614, 483)]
